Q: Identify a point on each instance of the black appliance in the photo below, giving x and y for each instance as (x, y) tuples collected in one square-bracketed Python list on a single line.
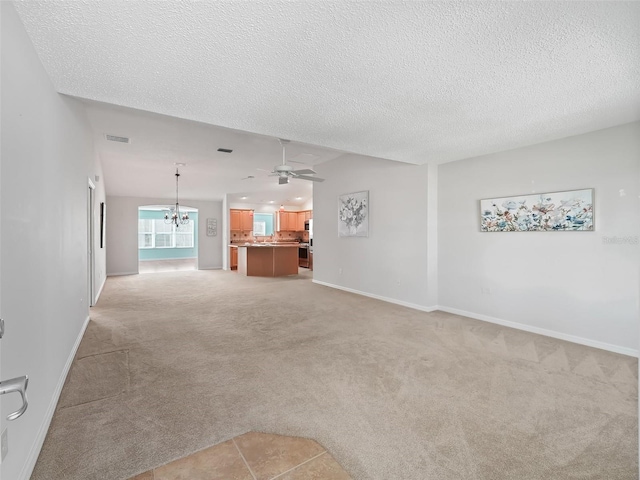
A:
[(306, 225), (303, 255)]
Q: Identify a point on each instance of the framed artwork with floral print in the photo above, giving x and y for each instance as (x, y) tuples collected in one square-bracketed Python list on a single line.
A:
[(353, 214), (571, 210)]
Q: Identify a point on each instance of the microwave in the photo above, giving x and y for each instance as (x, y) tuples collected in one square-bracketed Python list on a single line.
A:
[(306, 225)]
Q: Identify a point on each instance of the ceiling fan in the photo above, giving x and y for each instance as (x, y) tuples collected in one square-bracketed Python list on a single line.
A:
[(284, 172)]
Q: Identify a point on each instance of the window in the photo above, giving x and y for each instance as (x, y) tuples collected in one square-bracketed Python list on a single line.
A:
[(145, 233), (154, 233), (163, 234)]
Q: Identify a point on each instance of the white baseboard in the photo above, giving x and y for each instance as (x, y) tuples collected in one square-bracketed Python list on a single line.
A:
[(117, 274), (415, 306), (30, 464), (104, 280), (543, 331), (486, 318)]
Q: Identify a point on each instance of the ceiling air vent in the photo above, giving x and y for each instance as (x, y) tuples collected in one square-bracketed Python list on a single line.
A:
[(225, 150), (115, 138)]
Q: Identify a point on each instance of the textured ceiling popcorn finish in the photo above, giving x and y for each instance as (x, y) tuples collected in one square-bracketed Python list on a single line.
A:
[(409, 81)]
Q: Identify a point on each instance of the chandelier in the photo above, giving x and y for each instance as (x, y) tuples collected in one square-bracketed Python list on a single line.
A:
[(176, 218)]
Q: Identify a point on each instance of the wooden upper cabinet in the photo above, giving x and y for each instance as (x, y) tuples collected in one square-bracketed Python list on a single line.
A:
[(308, 214), (283, 221), (236, 217), (292, 221), (246, 223), (241, 220)]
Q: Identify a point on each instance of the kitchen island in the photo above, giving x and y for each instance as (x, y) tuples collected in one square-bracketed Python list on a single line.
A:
[(267, 259)]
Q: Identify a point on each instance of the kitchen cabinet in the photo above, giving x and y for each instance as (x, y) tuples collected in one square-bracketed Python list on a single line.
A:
[(241, 220), (246, 222), (233, 258), (292, 221), (283, 221), (287, 221), (235, 216), (268, 260), (308, 214)]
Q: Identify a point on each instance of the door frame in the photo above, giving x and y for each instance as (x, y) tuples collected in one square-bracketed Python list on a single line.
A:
[(91, 260)]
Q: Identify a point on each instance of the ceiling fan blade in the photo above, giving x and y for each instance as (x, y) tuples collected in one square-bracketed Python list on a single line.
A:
[(313, 179), (306, 171), (283, 180)]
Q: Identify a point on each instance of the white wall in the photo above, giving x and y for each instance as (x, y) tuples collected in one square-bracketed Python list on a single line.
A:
[(47, 156), (573, 285), (100, 253), (263, 208), (391, 263), (122, 232)]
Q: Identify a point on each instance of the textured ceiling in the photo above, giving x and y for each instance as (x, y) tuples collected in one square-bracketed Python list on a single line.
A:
[(146, 166), (410, 81)]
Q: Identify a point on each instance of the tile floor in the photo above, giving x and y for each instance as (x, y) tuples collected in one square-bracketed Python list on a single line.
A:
[(254, 456)]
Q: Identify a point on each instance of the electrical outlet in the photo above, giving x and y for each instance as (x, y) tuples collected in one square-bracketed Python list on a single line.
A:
[(339, 271), (4, 445)]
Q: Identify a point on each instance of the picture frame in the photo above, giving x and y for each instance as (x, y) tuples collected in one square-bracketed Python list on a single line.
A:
[(568, 210), (353, 214), (212, 227)]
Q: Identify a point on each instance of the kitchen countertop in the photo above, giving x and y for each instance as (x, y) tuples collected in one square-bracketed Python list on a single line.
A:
[(266, 244)]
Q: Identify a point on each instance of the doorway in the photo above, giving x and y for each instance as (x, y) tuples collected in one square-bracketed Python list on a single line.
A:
[(91, 265)]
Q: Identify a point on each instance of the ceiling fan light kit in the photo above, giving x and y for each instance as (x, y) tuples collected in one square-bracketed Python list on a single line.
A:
[(284, 172)]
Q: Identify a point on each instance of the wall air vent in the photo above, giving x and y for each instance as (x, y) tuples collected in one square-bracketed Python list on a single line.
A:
[(225, 150), (115, 138)]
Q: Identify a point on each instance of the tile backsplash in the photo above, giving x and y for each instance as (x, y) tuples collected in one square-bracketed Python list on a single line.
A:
[(278, 237)]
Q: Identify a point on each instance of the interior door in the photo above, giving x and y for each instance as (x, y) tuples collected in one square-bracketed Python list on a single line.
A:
[(14, 386), (2, 420)]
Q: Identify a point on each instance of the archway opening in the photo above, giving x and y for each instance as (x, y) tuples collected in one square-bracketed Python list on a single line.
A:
[(163, 246)]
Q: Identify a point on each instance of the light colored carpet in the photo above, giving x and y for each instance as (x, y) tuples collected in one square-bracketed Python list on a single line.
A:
[(173, 265), (173, 363)]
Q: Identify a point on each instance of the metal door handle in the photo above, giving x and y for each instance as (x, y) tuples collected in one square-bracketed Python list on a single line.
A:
[(18, 384)]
